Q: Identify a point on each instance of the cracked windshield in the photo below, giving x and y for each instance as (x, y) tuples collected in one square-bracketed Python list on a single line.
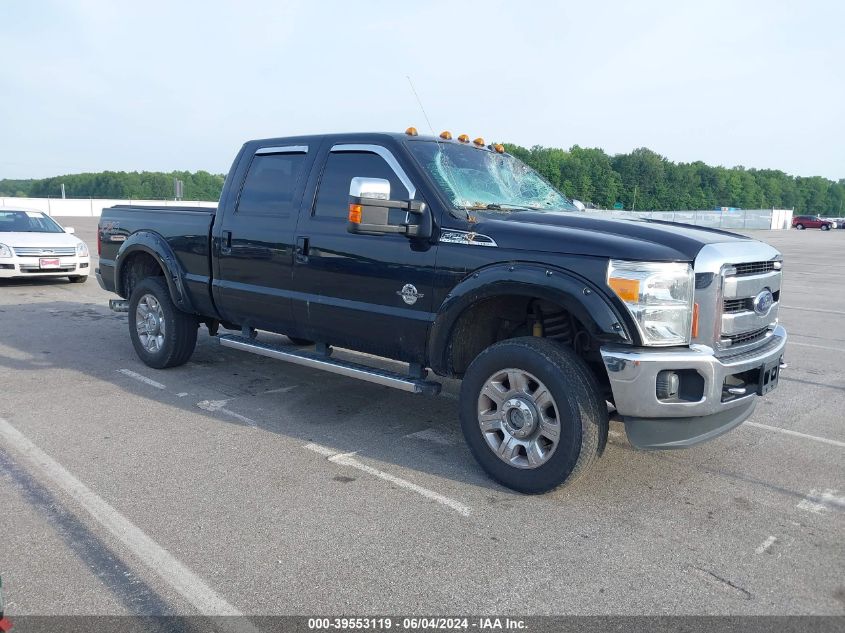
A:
[(473, 178)]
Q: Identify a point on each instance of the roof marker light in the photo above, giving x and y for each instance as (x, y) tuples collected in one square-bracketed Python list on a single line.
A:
[(411, 131), (446, 135), (479, 142), (463, 138), (499, 148)]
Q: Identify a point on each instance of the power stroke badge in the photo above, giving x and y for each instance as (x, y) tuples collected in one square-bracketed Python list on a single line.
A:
[(409, 294)]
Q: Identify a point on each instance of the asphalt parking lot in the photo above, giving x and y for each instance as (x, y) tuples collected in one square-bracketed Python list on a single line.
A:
[(238, 484)]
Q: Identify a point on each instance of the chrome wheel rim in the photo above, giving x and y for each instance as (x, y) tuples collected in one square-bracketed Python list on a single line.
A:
[(149, 323), (518, 418)]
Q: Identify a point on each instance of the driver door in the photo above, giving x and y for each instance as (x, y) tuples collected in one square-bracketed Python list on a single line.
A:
[(371, 293)]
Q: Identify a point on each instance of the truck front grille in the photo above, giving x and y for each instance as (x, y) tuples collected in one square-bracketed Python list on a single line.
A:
[(737, 305), (742, 283), (746, 338), (754, 268)]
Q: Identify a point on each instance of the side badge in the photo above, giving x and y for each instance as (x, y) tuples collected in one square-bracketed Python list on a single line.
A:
[(409, 294)]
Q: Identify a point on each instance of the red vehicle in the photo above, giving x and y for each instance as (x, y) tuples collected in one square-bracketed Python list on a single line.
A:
[(802, 222)]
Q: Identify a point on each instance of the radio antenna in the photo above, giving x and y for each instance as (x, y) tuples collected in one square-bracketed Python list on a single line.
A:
[(446, 174), (419, 101)]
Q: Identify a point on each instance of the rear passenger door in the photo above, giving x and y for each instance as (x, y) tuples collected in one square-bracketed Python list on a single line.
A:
[(371, 293), (256, 240)]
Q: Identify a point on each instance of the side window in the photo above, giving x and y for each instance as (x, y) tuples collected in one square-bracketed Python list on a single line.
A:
[(270, 184), (341, 168)]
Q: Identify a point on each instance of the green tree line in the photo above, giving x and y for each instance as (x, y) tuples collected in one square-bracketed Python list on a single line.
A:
[(645, 180), (144, 185), (641, 179)]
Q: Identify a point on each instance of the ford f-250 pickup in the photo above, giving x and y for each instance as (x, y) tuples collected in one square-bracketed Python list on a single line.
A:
[(455, 257)]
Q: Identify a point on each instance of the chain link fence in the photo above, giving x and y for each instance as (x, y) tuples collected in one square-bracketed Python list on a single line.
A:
[(713, 218)]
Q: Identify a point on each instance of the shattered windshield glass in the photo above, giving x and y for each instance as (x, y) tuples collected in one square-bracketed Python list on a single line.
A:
[(473, 178)]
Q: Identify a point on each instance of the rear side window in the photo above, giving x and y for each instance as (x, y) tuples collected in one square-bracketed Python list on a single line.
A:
[(270, 184), (341, 168)]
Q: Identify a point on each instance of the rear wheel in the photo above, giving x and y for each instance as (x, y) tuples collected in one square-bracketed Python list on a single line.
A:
[(532, 414), (800, 227), (163, 335), (78, 279)]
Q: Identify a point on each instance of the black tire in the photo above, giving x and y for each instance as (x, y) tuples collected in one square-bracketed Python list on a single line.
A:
[(180, 331), (78, 279), (300, 341), (825, 227), (582, 412), (800, 227)]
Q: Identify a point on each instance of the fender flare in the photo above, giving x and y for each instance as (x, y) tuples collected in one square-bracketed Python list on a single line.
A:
[(155, 245), (582, 298)]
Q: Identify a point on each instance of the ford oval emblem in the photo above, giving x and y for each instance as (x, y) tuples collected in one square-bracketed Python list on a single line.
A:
[(763, 302)]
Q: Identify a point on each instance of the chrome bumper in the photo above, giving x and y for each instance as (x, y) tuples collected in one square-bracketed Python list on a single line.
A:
[(669, 424)]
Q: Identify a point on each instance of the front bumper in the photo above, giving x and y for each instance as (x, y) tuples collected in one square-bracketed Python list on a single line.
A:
[(28, 267), (654, 423)]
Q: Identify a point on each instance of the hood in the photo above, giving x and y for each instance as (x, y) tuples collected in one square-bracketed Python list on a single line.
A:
[(579, 234), (38, 239)]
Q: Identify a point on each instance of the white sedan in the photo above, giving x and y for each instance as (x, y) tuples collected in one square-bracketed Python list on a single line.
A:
[(32, 244)]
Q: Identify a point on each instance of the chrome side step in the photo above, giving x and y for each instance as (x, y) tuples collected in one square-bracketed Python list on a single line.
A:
[(326, 363)]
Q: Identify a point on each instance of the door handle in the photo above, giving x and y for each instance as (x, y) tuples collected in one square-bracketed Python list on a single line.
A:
[(300, 252), (226, 247)]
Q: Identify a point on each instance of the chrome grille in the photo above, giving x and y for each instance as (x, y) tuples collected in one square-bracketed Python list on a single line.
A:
[(742, 282), (729, 276), (754, 268), (45, 251), (737, 305), (747, 338)]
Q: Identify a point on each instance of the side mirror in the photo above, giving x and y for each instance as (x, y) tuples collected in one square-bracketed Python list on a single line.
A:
[(370, 209), (70, 230)]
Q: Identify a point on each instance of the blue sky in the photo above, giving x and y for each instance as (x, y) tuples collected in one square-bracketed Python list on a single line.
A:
[(89, 85)]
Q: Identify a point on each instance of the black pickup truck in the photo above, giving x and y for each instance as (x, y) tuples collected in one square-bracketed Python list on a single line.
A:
[(452, 256)]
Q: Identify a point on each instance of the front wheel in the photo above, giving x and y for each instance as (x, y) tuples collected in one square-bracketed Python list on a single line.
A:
[(163, 335), (825, 227), (532, 414)]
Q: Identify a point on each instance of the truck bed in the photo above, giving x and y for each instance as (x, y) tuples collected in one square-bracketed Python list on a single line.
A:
[(186, 230)]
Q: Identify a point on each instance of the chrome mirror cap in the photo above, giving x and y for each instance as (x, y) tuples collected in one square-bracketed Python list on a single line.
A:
[(373, 188)]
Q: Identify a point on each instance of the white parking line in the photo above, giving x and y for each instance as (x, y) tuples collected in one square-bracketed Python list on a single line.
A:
[(280, 389), (819, 502), (432, 435), (827, 347), (765, 545), (346, 459), (323, 450), (219, 406), (814, 309), (143, 379), (190, 586), (815, 438)]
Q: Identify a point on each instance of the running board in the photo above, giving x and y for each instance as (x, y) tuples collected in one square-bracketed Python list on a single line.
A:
[(326, 363)]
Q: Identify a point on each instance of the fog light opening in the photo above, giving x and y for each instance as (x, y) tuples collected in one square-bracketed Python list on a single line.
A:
[(668, 385)]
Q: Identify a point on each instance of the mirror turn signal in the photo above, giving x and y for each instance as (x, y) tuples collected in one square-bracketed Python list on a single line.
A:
[(355, 211)]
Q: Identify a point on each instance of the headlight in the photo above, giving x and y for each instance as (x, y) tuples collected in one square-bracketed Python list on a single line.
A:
[(5, 251), (82, 249), (659, 297)]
